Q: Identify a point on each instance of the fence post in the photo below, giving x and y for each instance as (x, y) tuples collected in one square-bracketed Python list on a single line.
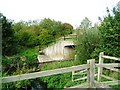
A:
[(91, 72), (73, 76), (88, 73), (100, 68), (75, 57)]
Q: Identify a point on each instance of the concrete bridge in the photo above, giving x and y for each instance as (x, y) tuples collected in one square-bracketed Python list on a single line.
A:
[(63, 50)]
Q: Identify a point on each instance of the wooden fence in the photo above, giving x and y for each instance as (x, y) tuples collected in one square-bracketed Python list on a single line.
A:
[(109, 66), (91, 73), (88, 69)]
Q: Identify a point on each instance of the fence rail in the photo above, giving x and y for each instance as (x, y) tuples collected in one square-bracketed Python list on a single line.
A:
[(110, 57), (43, 73), (88, 69), (110, 66)]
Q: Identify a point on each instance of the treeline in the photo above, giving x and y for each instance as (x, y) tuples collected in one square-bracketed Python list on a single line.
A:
[(30, 34)]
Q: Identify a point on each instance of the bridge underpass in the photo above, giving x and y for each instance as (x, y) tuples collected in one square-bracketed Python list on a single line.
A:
[(63, 50)]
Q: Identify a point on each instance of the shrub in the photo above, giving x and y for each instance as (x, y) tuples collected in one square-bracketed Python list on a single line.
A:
[(86, 41)]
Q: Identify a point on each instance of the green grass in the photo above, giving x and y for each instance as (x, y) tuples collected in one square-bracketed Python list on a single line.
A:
[(60, 64), (28, 51)]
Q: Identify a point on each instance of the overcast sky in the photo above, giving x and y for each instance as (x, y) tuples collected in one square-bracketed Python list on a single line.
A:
[(70, 11)]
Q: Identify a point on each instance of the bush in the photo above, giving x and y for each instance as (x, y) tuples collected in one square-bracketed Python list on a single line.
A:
[(109, 35), (87, 41)]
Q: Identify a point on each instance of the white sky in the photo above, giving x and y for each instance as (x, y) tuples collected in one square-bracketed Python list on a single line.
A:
[(70, 11)]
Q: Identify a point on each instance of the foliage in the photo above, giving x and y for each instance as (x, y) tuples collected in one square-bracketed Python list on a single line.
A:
[(53, 82), (8, 40), (85, 24), (18, 85), (67, 29), (24, 35), (59, 81), (110, 35), (54, 27), (28, 35), (30, 56), (41, 33), (87, 40), (90, 42)]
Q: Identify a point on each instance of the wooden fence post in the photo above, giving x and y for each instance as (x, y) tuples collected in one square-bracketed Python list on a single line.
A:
[(75, 57), (73, 76), (88, 73), (91, 72), (100, 68)]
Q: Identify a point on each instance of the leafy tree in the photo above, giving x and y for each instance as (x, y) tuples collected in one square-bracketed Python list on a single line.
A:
[(19, 26), (110, 34), (8, 40), (54, 28), (85, 24), (44, 37), (34, 33), (26, 33), (67, 29), (87, 40)]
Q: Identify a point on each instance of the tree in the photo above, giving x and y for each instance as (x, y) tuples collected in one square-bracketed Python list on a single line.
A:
[(34, 33), (87, 40), (109, 35), (85, 24), (54, 27), (67, 29), (8, 40), (44, 38), (19, 26)]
